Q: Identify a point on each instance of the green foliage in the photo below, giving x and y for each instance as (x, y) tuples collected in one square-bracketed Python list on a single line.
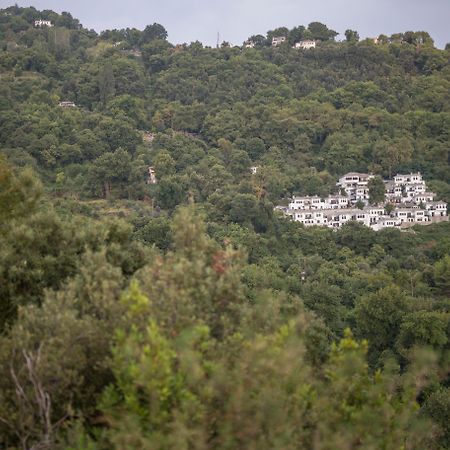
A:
[(152, 32), (54, 359), (437, 406), (423, 329), (379, 316), (376, 190), (351, 36), (442, 275), (41, 249), (156, 231), (321, 32), (221, 324), (197, 284), (167, 395), (164, 165), (18, 193)]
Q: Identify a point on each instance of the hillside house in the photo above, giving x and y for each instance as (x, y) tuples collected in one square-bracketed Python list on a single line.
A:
[(315, 202), (151, 179), (410, 178), (355, 186), (337, 201), (305, 45), (278, 40), (374, 213), (386, 222), (148, 137), (436, 209), (249, 44), (422, 198), (407, 188), (67, 105), (42, 23), (337, 218), (310, 218)]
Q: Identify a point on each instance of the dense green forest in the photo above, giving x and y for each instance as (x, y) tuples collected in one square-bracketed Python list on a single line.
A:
[(188, 314)]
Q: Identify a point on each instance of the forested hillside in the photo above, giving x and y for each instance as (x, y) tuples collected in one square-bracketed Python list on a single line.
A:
[(187, 313)]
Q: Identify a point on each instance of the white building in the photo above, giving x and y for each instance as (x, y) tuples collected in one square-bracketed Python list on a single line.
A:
[(307, 202), (315, 202), (386, 222), (422, 197), (148, 136), (309, 217), (436, 209), (151, 176), (409, 215), (67, 105), (249, 44), (305, 45), (42, 23), (337, 218), (375, 214), (410, 178), (278, 40), (355, 186), (407, 188)]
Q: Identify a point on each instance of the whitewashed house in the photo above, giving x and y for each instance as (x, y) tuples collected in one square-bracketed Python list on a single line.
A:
[(436, 209), (374, 214), (305, 45), (423, 198), (316, 202), (307, 202), (337, 201), (386, 222), (42, 23), (413, 178), (148, 136), (151, 179), (402, 214), (405, 187), (310, 217), (355, 186), (336, 218), (67, 105), (278, 40)]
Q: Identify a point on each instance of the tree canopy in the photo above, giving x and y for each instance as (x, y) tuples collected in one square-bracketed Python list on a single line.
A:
[(153, 297)]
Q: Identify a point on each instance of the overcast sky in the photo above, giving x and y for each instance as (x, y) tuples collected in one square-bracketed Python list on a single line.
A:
[(235, 20)]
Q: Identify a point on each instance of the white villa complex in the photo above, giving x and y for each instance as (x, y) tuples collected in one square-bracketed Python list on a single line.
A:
[(410, 204)]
